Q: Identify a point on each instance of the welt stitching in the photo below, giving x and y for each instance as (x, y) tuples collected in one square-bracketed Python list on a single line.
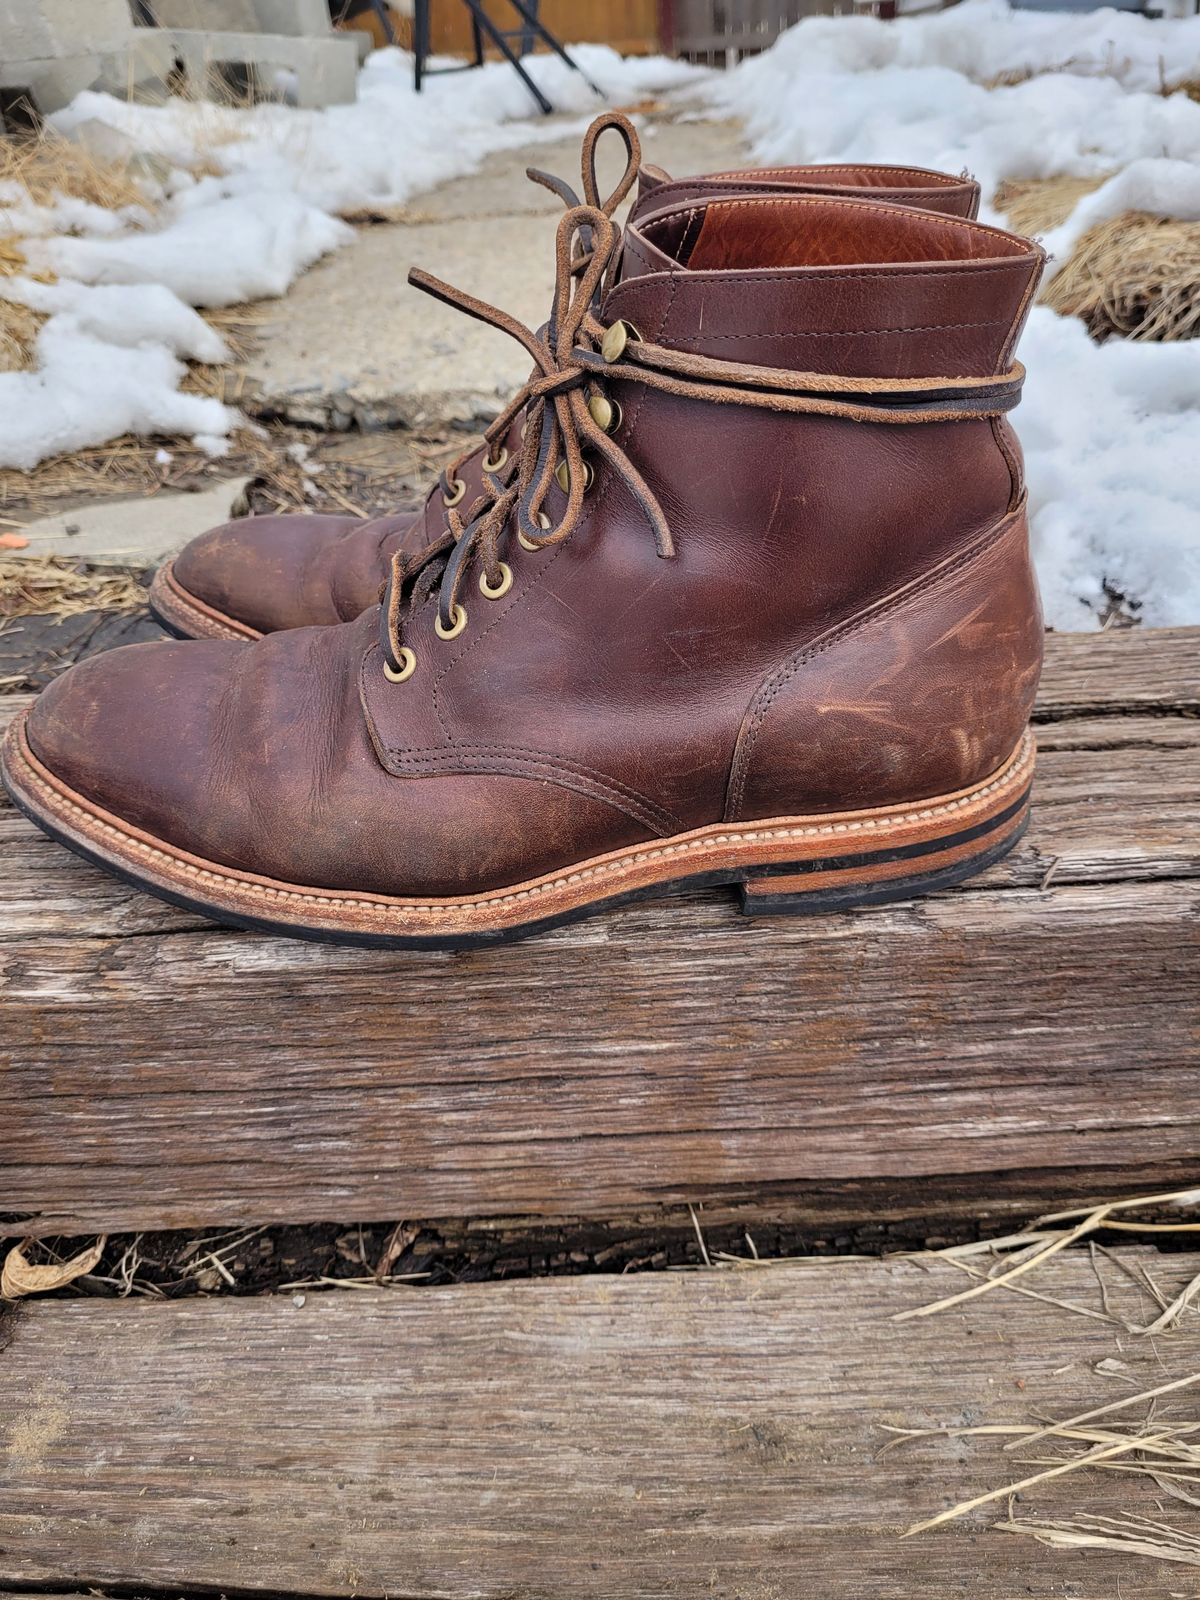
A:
[(847, 629), (1018, 764)]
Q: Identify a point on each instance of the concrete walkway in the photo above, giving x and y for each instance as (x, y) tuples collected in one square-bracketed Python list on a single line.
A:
[(354, 345)]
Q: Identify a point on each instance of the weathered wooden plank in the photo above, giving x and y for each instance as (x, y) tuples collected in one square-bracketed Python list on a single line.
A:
[(687, 1434), (1129, 668), (642, 1057), (991, 1038)]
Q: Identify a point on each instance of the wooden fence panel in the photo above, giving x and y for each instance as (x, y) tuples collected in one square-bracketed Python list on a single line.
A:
[(720, 32)]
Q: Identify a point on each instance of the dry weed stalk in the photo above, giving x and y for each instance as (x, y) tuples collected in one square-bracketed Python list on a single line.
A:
[(1167, 1452), (1042, 1239), (1130, 1535)]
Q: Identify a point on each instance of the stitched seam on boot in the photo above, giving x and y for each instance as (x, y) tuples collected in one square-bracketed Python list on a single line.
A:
[(985, 268), (1018, 321), (744, 747), (172, 855), (845, 333)]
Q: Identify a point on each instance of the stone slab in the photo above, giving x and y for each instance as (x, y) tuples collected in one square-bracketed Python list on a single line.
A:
[(326, 69), (33, 30), (133, 532), (300, 18)]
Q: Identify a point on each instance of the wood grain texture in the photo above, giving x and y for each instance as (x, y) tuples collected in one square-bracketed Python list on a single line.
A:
[(160, 1072), (1128, 668), (709, 1434)]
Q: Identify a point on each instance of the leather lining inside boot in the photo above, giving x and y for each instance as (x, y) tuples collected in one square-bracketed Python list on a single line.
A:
[(745, 233)]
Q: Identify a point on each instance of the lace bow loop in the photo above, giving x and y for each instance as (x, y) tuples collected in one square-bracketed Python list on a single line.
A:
[(557, 425)]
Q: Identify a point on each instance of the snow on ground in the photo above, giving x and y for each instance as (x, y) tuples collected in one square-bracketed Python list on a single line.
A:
[(239, 204), (1111, 432), (246, 200)]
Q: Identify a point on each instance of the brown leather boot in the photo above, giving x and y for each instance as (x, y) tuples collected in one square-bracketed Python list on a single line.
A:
[(780, 631), (257, 575)]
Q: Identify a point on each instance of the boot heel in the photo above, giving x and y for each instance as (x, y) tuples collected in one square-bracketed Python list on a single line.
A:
[(897, 869)]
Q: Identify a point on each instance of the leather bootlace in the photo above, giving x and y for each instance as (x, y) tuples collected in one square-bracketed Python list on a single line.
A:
[(571, 357)]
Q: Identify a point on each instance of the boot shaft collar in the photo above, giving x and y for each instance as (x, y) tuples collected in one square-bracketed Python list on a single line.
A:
[(832, 285)]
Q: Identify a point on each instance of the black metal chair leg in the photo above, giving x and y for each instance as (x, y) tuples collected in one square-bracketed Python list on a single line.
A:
[(420, 41), (385, 20), (498, 39), (533, 24)]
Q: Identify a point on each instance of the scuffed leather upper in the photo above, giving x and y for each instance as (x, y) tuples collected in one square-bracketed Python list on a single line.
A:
[(876, 571), (289, 571)]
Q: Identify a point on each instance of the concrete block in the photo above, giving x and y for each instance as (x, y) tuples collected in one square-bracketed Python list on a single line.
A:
[(226, 16), (36, 30), (144, 63), (52, 82), (56, 48), (307, 18), (326, 70), (290, 18)]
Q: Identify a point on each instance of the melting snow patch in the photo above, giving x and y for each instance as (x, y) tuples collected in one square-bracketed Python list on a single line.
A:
[(262, 210), (1111, 432)]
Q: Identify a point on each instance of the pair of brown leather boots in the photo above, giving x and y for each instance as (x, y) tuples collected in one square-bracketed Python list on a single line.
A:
[(737, 590)]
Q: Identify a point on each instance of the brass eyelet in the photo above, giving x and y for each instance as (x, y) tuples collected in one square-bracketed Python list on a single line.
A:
[(606, 413), (455, 628), (502, 587), (612, 346), (526, 544), (452, 499), (494, 466), (408, 665), (562, 473)]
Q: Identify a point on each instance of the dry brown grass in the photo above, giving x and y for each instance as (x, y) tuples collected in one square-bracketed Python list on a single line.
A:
[(18, 335), (40, 586), (1135, 275), (46, 164), (126, 466), (1035, 205)]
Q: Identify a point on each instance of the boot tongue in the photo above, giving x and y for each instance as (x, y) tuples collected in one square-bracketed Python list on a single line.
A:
[(817, 284)]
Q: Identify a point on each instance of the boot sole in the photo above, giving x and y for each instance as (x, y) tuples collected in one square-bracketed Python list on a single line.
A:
[(186, 617), (785, 865)]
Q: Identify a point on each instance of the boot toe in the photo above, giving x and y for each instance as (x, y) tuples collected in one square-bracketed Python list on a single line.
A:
[(268, 574), (126, 730), (253, 570)]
